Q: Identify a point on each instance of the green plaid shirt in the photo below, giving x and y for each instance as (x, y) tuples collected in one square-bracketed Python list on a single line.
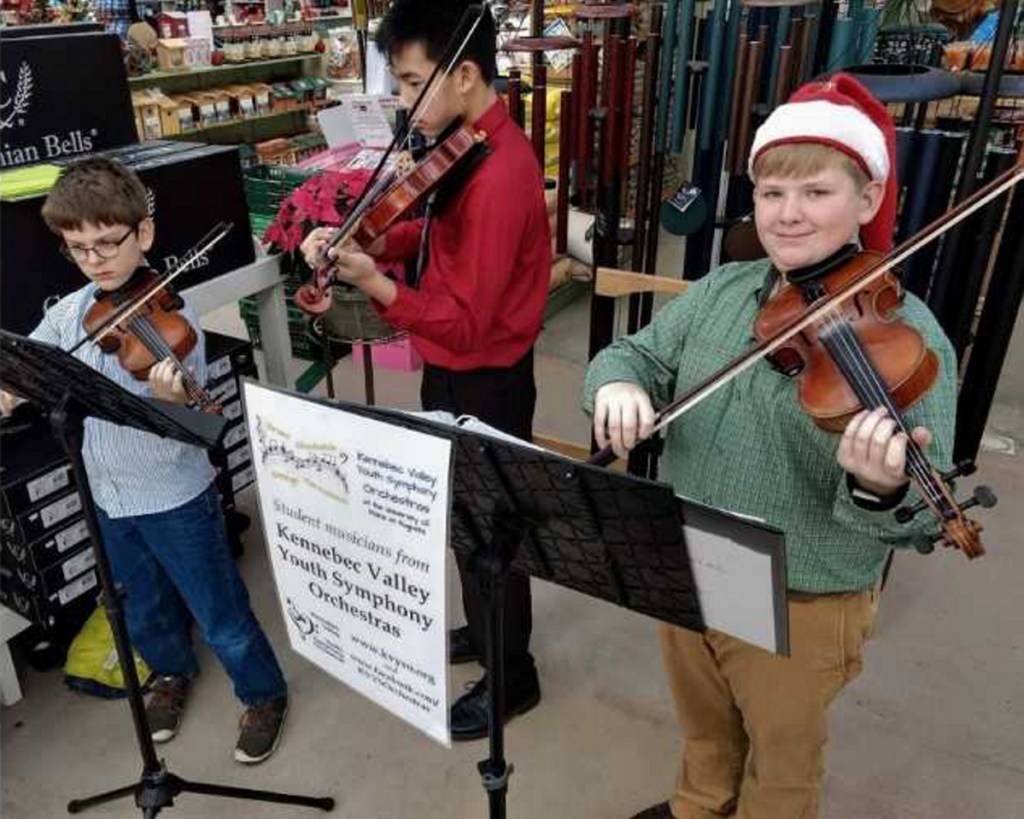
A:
[(749, 448)]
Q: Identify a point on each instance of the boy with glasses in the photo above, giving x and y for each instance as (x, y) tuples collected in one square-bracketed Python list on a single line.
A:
[(158, 508)]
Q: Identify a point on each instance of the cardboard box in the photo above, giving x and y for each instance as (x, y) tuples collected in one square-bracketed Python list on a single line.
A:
[(172, 24), (66, 603), (264, 97), (205, 105), (34, 468), (48, 550), (171, 55), (185, 113), (147, 115), (49, 581), (243, 101)]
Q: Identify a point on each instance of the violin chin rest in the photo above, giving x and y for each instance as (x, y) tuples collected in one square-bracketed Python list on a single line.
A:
[(311, 300)]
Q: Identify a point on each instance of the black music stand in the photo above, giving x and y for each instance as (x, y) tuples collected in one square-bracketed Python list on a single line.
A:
[(69, 392), (517, 507)]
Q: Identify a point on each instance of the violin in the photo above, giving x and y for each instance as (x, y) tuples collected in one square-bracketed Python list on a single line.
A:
[(388, 202), (837, 333), (154, 332), (861, 356), (139, 322)]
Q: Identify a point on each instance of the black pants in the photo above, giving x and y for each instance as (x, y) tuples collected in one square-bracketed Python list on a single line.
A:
[(503, 397)]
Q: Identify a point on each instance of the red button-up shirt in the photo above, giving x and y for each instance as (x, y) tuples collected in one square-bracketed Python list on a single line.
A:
[(481, 298)]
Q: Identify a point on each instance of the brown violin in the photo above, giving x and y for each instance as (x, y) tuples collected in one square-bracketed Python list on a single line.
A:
[(139, 322), (861, 356), (153, 332), (388, 201)]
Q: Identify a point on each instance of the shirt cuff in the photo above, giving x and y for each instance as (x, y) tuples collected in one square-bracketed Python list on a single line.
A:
[(866, 499)]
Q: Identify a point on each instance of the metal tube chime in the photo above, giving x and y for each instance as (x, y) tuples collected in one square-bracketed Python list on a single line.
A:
[(652, 56), (515, 96), (565, 115)]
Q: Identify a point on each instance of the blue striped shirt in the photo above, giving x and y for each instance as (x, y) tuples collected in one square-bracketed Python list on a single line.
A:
[(130, 472)]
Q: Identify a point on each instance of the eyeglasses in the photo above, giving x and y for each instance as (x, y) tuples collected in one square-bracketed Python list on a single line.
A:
[(104, 250)]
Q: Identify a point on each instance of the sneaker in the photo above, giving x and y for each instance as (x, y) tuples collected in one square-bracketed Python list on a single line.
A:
[(261, 731), (166, 705)]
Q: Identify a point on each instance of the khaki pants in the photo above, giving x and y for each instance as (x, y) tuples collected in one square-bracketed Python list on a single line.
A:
[(754, 724)]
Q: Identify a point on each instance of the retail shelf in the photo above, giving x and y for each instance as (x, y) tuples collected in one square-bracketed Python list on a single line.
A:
[(220, 72), (253, 129)]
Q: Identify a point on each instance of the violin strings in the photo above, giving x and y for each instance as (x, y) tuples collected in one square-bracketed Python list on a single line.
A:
[(155, 343), (863, 375)]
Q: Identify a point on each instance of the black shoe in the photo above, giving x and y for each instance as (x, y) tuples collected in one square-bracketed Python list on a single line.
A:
[(469, 712), (260, 731), (166, 705), (460, 647), (661, 811)]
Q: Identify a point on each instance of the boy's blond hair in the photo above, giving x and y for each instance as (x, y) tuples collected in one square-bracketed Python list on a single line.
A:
[(799, 160), (98, 191)]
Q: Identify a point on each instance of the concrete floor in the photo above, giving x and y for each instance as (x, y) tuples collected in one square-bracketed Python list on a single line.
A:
[(933, 728)]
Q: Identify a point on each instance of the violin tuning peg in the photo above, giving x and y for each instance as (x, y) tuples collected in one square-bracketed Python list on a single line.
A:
[(905, 514), (961, 470), (983, 496), (925, 545)]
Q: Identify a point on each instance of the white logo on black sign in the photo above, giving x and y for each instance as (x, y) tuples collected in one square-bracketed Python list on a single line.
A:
[(13, 106)]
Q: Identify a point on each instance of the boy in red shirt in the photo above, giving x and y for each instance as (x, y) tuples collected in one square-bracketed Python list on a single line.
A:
[(483, 284)]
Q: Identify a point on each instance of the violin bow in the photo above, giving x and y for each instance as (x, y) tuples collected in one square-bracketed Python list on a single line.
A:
[(378, 181), (214, 235), (689, 399)]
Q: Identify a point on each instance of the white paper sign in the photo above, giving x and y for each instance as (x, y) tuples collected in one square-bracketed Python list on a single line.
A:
[(355, 513), (734, 585), (358, 118)]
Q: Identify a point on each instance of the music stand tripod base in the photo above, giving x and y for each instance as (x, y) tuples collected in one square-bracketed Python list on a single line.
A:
[(69, 392)]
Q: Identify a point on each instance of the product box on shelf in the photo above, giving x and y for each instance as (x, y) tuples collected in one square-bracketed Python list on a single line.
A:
[(49, 581), (69, 604), (33, 467), (49, 549), (171, 54), (172, 24)]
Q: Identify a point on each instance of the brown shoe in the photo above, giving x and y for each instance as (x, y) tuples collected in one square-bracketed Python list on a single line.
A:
[(166, 705), (261, 731), (661, 811)]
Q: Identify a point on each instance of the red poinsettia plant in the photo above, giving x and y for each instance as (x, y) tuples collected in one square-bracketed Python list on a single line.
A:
[(324, 199)]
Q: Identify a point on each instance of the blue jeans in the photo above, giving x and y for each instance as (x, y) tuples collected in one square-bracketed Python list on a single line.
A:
[(176, 563)]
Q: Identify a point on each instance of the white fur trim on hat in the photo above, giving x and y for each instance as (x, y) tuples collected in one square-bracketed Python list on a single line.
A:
[(842, 126)]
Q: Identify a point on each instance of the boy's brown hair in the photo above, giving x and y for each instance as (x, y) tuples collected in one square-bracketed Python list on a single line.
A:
[(97, 191), (803, 159)]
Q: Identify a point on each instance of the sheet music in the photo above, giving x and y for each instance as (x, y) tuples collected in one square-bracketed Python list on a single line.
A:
[(734, 585)]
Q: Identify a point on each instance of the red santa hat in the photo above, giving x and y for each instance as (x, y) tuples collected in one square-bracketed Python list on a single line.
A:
[(842, 114)]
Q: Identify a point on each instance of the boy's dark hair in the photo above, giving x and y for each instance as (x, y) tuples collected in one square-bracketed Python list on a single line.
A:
[(434, 23), (99, 191)]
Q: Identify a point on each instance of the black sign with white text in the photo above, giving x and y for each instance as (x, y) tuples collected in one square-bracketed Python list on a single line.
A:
[(61, 96)]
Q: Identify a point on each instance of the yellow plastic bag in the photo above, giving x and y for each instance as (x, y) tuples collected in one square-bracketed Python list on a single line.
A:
[(92, 666)]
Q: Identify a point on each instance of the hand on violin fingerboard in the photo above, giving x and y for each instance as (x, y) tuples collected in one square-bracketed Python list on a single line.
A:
[(875, 454), (166, 380), (623, 416)]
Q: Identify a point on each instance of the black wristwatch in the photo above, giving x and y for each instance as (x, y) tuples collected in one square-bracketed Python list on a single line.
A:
[(866, 499)]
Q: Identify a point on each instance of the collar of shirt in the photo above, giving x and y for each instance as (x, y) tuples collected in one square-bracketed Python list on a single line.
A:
[(493, 120)]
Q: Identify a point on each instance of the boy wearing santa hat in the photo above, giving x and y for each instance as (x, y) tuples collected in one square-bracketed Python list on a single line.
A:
[(755, 724)]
